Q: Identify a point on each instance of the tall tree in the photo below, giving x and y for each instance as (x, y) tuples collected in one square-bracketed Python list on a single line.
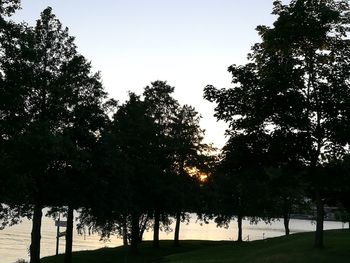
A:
[(137, 138), (47, 107), (53, 113), (161, 107), (297, 82), (188, 157), (10, 36), (180, 150), (85, 120)]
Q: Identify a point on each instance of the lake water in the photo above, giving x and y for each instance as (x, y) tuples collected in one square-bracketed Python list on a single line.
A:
[(15, 240)]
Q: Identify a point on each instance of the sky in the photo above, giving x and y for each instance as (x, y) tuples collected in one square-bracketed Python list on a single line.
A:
[(188, 43)]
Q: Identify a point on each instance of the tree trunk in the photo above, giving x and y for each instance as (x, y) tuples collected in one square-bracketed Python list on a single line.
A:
[(286, 223), (239, 220), (286, 217), (69, 235), (319, 220), (177, 229), (125, 233), (134, 233), (142, 225), (36, 236), (156, 229)]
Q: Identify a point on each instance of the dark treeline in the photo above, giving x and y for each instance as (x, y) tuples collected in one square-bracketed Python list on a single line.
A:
[(138, 166), (65, 146)]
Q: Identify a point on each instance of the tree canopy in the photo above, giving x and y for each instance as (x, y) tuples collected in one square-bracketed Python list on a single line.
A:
[(295, 86)]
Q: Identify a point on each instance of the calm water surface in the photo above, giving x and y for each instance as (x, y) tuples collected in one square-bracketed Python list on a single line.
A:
[(15, 240)]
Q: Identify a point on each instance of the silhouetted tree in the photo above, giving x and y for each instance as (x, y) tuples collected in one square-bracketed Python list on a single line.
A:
[(138, 141), (161, 107), (151, 144), (53, 113), (47, 107), (85, 120), (10, 35), (239, 179), (188, 159), (108, 213), (16, 110), (297, 83), (180, 150)]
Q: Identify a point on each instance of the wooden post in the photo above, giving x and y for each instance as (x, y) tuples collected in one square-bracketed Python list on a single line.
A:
[(58, 234)]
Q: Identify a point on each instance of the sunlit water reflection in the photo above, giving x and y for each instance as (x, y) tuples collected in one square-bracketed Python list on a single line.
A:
[(15, 241)]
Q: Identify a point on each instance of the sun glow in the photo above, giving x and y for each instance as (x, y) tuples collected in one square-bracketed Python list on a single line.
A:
[(197, 173)]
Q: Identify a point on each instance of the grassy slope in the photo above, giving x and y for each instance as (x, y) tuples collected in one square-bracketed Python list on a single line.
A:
[(146, 252), (295, 248)]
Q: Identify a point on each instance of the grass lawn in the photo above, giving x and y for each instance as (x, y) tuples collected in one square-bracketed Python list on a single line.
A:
[(295, 248), (146, 252)]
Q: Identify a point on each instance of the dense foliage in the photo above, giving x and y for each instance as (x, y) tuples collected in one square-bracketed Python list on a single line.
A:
[(141, 164), (294, 94)]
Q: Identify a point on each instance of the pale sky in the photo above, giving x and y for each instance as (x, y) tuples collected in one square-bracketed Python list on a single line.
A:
[(188, 43)]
